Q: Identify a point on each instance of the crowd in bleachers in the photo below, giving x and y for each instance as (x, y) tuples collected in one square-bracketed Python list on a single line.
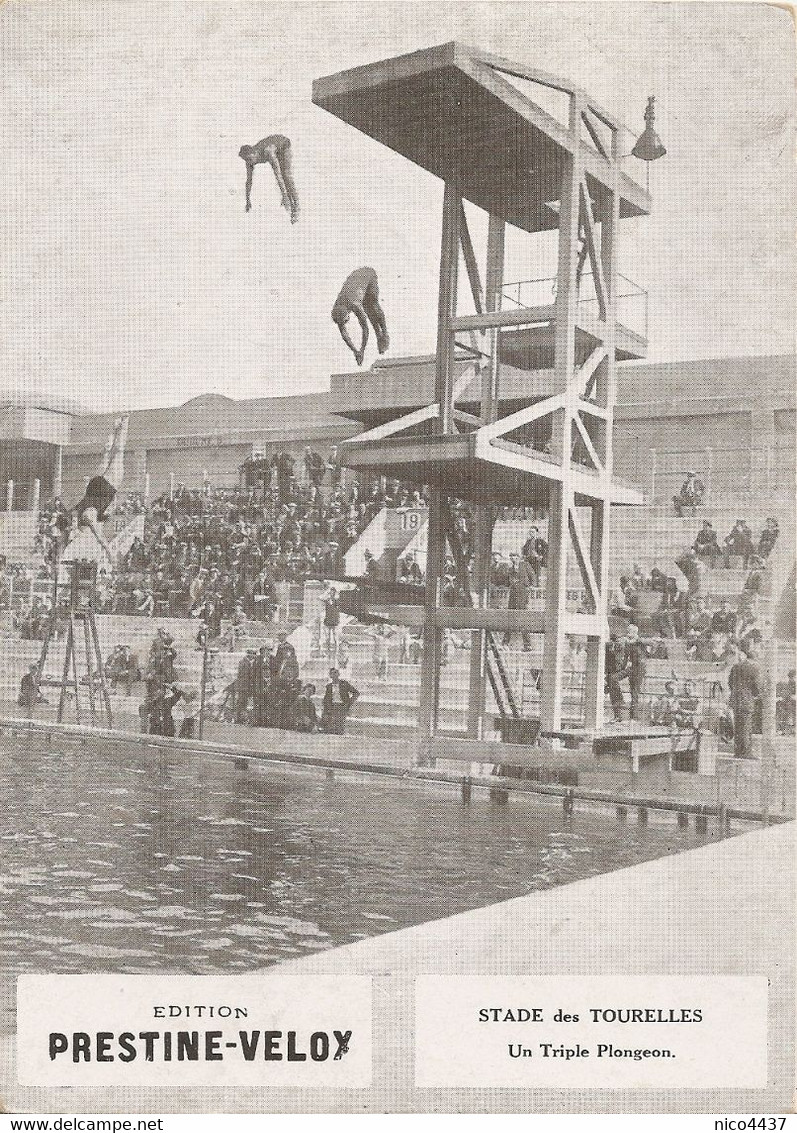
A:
[(656, 606), (228, 553)]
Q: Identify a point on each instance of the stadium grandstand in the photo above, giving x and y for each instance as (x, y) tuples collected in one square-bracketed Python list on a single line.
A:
[(236, 521)]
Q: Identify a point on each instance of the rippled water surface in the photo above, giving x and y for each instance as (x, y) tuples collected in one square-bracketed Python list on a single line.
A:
[(121, 861)]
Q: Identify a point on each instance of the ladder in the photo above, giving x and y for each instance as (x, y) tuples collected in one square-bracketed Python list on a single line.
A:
[(80, 579), (497, 672)]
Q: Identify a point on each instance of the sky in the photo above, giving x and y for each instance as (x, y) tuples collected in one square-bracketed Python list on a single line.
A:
[(130, 275)]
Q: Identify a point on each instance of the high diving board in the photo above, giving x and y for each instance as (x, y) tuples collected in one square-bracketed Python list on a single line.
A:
[(452, 109), (474, 468)]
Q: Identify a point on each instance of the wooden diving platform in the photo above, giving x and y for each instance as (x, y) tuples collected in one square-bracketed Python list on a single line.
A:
[(452, 109), (398, 385), (470, 467)]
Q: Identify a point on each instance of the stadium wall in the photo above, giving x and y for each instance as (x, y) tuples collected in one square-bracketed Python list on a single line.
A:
[(732, 420)]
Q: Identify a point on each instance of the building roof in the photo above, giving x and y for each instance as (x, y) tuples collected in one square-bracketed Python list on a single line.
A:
[(213, 415), (38, 399), (691, 387)]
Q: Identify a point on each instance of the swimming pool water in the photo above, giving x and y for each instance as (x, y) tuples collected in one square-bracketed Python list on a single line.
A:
[(121, 860)]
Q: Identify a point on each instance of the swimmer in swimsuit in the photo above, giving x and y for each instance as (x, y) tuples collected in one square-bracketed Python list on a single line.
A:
[(359, 296), (275, 150), (101, 489)]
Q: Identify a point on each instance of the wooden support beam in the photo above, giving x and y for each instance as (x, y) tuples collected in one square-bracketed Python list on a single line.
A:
[(482, 557), (588, 368), (392, 428), (447, 302), (462, 418), (592, 248), (561, 493), (588, 444), (533, 75), (523, 417), (471, 265), (593, 133), (495, 284), (583, 559), (590, 408), (466, 617), (429, 705), (525, 316), (462, 382), (472, 351), (606, 393)]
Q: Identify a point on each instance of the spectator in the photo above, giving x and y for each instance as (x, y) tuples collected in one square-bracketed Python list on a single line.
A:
[(738, 545), (755, 578), (638, 580), (169, 698), (784, 705), (244, 685), (744, 684), (724, 619), (381, 635), (670, 618), (535, 552), (698, 631), (315, 465), (637, 669), (332, 623), (769, 537), (690, 496), (339, 697), (693, 568), (185, 718), (706, 545), (520, 581), (616, 667), (29, 695), (371, 567), (305, 717)]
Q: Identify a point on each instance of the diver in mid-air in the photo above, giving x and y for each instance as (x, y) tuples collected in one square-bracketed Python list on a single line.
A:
[(275, 150)]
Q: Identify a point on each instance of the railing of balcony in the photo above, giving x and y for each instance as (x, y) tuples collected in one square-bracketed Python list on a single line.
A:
[(632, 300)]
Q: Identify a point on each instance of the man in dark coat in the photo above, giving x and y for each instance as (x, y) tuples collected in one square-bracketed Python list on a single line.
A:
[(744, 684), (637, 669), (535, 552), (616, 667), (706, 544), (244, 686), (339, 696), (521, 580)]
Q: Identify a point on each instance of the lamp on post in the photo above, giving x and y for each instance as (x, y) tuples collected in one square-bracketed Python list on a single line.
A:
[(648, 146)]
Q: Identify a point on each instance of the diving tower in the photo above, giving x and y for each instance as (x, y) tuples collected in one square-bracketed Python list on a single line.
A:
[(461, 115)]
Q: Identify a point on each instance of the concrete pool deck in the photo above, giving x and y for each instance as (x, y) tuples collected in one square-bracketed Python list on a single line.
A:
[(723, 909), (739, 793)]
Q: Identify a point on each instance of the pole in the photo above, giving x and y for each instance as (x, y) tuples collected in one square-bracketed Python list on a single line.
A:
[(9, 495), (436, 540), (202, 690), (58, 479)]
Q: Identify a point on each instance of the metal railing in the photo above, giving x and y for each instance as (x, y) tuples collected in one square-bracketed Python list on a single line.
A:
[(632, 300), (724, 471)]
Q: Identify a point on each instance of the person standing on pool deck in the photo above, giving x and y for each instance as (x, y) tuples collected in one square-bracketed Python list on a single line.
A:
[(101, 489), (275, 150), (359, 296), (745, 687), (339, 696)]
